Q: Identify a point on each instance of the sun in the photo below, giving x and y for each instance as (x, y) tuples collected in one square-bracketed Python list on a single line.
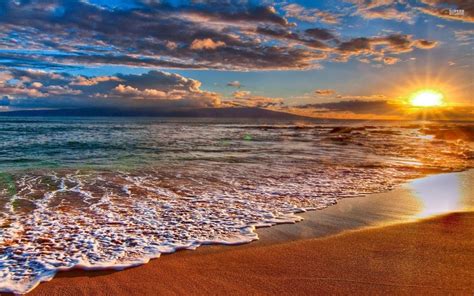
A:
[(427, 98)]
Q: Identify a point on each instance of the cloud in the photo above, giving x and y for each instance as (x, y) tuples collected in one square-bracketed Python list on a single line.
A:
[(459, 10), (384, 9), (5, 101), (464, 36), (320, 34), (355, 106), (310, 14), (242, 98), (325, 92), (153, 89), (390, 60), (352, 109), (129, 91), (39, 88), (373, 97), (372, 4), (284, 34), (425, 44), (388, 13), (400, 10), (224, 35), (158, 85), (241, 94), (386, 60), (229, 11), (379, 46), (234, 83), (208, 43), (192, 35), (88, 81), (331, 94), (32, 83), (360, 108)]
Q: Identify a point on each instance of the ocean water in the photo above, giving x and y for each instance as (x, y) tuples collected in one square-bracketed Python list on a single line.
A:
[(98, 193)]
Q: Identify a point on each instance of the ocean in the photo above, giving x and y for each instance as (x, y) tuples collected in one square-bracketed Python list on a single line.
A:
[(99, 193)]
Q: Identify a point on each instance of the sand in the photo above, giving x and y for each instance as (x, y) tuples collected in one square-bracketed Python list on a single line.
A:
[(368, 245), (433, 256)]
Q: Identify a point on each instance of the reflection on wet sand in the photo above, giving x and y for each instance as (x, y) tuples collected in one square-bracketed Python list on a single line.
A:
[(442, 194), (418, 199)]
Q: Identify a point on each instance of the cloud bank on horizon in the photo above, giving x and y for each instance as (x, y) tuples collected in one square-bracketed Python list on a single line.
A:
[(78, 53)]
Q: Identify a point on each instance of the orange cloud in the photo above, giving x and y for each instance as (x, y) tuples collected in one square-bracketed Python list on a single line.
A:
[(208, 43), (325, 92)]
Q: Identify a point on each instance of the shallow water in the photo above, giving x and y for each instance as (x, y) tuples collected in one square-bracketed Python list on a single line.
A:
[(114, 192)]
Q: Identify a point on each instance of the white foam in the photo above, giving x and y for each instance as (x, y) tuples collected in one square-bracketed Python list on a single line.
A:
[(105, 226)]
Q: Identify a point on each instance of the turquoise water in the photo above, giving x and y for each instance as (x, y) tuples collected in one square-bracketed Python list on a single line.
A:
[(115, 192)]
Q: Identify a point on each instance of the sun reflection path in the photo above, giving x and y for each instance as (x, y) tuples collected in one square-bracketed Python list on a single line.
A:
[(439, 194)]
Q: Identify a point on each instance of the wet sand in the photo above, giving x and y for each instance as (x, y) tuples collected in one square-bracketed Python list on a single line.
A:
[(372, 245), (431, 257)]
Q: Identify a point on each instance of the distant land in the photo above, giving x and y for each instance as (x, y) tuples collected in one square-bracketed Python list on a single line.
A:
[(233, 112), (229, 112)]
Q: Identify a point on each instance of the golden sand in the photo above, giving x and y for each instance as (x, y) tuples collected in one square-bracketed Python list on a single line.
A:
[(429, 256)]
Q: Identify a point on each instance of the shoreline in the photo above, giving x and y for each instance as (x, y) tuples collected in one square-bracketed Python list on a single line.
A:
[(398, 259), (403, 204), (363, 213)]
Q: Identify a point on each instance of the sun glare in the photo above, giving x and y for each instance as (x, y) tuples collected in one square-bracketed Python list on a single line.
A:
[(427, 98)]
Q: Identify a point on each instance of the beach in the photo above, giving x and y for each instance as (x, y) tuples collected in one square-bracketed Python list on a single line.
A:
[(388, 245), (190, 147)]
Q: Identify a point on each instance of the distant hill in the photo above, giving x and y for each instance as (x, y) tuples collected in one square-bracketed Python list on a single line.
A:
[(233, 112)]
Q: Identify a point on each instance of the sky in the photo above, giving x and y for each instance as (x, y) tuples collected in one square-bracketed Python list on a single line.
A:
[(343, 59)]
